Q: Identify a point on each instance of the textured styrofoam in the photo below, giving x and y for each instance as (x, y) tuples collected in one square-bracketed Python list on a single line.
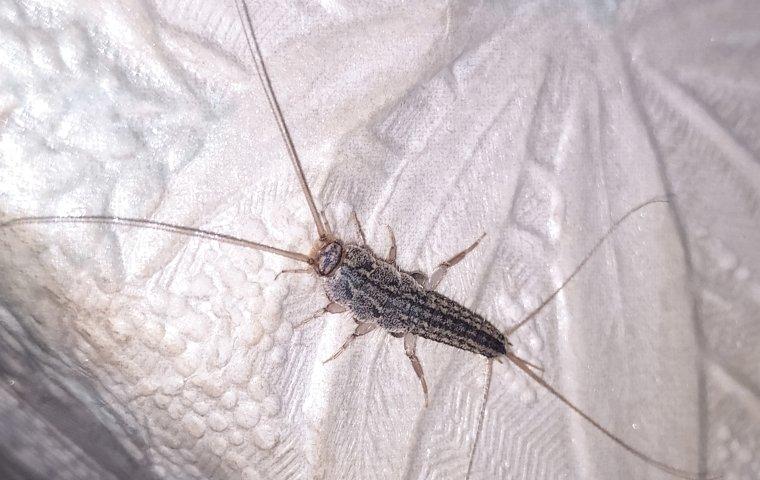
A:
[(133, 354)]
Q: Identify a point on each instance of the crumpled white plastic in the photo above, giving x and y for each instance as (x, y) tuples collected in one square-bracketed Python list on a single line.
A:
[(130, 353)]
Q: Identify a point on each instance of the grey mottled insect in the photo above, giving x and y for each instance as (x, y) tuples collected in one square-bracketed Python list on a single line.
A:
[(380, 293), (374, 290)]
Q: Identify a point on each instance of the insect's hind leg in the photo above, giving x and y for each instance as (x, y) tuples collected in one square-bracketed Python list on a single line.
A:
[(443, 267), (410, 343), (362, 329)]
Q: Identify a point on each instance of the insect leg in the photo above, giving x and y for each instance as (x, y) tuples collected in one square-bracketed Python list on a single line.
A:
[(361, 329), (293, 270), (410, 342), (441, 269), (332, 307), (392, 251), (358, 227)]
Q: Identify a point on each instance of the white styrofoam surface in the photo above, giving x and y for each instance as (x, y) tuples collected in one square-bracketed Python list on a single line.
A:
[(537, 123)]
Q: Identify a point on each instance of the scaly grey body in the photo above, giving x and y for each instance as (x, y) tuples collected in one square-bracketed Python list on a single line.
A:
[(377, 291)]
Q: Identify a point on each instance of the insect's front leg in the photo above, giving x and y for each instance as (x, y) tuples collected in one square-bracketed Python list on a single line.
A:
[(332, 307), (293, 270)]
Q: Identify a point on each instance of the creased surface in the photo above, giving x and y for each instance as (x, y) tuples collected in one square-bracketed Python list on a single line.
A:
[(132, 354)]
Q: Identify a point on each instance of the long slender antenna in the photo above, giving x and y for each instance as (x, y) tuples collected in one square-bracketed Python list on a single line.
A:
[(580, 266), (166, 227), (274, 106), (676, 472)]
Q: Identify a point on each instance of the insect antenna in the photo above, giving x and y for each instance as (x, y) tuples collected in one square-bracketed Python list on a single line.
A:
[(676, 472), (274, 106), (583, 262), (261, 72), (154, 225), (527, 367)]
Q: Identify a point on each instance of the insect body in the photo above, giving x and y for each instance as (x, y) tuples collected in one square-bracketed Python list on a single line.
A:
[(379, 292)]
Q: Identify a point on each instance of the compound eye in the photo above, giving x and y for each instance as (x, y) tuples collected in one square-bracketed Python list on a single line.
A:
[(329, 258)]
